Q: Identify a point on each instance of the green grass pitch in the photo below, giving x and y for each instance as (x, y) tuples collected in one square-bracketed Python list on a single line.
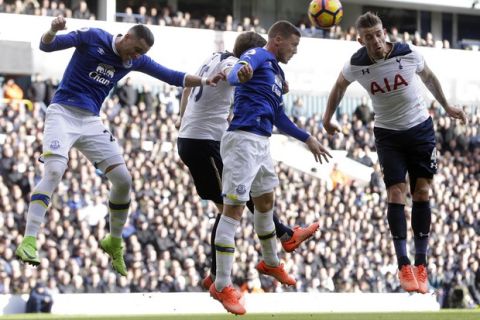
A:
[(441, 315)]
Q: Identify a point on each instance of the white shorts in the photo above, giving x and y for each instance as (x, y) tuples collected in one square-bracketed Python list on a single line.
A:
[(67, 127), (247, 166)]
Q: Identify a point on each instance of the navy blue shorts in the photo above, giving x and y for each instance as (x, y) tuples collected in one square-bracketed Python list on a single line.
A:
[(409, 151), (202, 157)]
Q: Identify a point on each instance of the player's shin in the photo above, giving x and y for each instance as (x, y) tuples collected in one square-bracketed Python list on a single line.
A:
[(421, 220), (225, 251), (398, 229), (265, 229)]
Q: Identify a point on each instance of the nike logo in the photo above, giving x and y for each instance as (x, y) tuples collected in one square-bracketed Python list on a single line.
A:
[(28, 255)]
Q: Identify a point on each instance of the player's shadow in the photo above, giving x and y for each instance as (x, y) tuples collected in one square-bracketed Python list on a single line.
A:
[(14, 304)]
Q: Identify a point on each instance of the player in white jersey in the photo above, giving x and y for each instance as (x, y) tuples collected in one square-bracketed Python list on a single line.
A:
[(204, 113), (99, 61), (404, 134)]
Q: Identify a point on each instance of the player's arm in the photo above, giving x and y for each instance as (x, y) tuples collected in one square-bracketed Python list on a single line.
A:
[(433, 85), (59, 23), (184, 100), (50, 41), (173, 77), (243, 70), (334, 98), (284, 124)]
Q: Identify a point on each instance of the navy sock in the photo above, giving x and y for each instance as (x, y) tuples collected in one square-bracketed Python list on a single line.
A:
[(213, 268), (280, 228), (421, 220), (398, 229)]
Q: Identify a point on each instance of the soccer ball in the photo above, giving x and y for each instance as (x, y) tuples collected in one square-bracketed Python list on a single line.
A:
[(325, 13)]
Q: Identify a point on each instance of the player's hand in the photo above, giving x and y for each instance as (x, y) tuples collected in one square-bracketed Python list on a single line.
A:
[(59, 23), (331, 127), (245, 73), (212, 82), (318, 150), (457, 113), (285, 88)]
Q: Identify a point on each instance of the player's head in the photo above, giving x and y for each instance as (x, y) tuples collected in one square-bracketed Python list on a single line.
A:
[(138, 40), (372, 35), (283, 39), (247, 40)]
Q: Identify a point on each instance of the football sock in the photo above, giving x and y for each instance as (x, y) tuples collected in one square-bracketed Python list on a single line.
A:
[(55, 166), (283, 232), (213, 268), (265, 229), (119, 199), (225, 250), (398, 229), (421, 220)]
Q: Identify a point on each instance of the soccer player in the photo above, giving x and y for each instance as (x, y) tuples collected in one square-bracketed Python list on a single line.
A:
[(248, 167), (204, 114), (98, 63), (404, 134)]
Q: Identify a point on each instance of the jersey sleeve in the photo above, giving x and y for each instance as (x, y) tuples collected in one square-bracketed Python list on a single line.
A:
[(347, 72), (419, 60), (71, 39), (254, 57), (156, 70), (284, 124)]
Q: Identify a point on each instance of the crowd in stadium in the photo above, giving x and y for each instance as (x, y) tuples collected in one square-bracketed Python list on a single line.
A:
[(166, 16), (167, 236)]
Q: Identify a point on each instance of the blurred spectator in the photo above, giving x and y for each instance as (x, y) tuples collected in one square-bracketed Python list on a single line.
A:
[(39, 300), (363, 111), (82, 12)]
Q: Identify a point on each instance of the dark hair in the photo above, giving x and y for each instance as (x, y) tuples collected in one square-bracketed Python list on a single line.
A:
[(247, 40), (142, 32), (282, 28), (367, 20)]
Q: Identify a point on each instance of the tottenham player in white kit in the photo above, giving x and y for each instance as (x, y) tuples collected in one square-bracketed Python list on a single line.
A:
[(404, 134), (204, 113), (99, 61)]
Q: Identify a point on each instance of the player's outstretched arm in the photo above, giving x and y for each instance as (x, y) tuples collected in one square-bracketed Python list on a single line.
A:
[(195, 81), (59, 23), (336, 95), (317, 149), (434, 86)]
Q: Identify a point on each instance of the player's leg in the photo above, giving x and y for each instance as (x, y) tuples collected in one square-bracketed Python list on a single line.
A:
[(60, 132), (55, 166), (422, 166), (203, 160), (104, 152), (393, 162), (263, 198)]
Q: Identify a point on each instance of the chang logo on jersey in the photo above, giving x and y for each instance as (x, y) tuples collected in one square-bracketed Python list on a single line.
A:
[(390, 85), (103, 73)]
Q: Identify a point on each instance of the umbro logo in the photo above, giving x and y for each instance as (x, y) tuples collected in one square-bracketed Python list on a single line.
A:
[(100, 51)]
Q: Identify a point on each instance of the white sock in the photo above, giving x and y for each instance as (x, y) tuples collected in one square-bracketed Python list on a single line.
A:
[(265, 229), (40, 198), (225, 250), (119, 199)]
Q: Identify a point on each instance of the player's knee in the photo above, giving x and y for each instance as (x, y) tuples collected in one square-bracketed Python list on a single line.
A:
[(422, 193), (120, 178), (54, 170), (396, 193)]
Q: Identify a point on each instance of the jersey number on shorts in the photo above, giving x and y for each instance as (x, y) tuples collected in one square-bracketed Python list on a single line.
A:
[(198, 94)]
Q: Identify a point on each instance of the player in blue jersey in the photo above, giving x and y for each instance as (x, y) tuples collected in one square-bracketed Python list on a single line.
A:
[(248, 167), (205, 112), (99, 61), (404, 134)]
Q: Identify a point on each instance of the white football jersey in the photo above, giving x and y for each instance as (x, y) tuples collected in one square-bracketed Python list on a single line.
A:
[(207, 109), (393, 85)]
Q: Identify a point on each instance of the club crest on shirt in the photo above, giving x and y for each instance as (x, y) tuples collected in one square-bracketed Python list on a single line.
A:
[(241, 189), (55, 144)]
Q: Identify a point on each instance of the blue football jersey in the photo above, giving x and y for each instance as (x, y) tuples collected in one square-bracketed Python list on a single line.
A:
[(95, 68), (258, 102)]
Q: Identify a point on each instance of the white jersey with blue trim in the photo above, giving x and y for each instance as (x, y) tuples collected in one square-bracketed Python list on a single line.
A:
[(208, 108), (95, 68), (393, 85)]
